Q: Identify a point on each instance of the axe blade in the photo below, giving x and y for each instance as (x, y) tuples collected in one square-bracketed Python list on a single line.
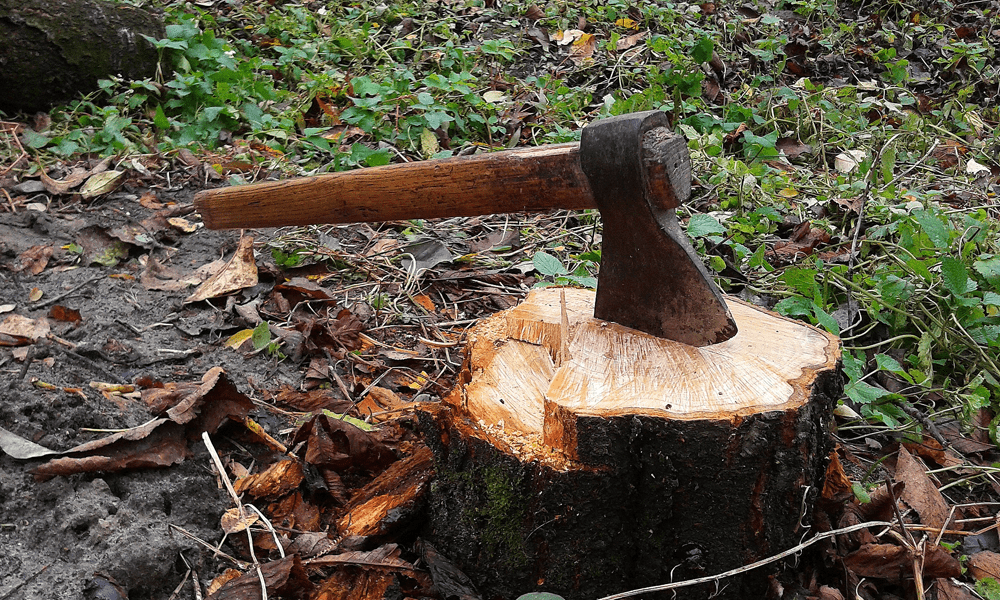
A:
[(651, 278)]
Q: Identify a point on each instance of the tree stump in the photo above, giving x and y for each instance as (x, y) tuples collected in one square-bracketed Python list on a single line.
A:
[(584, 458), (54, 50)]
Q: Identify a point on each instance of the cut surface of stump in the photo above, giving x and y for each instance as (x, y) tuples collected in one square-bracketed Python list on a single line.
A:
[(586, 458)]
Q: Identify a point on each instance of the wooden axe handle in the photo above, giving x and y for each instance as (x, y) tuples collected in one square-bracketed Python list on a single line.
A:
[(521, 180)]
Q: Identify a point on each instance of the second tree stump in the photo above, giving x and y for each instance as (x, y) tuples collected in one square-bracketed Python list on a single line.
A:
[(584, 458)]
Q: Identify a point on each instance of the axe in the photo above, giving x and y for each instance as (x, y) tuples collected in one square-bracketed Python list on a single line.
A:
[(632, 168)]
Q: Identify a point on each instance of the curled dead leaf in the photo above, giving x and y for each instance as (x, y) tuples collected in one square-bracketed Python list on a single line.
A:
[(102, 183)]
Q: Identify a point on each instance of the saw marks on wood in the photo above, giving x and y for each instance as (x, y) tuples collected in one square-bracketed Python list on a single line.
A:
[(612, 370)]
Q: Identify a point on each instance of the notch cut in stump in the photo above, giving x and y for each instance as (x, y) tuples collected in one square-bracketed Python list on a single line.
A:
[(584, 458)]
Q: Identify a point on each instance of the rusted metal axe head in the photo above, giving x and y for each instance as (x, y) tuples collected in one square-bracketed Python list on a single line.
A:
[(651, 279)]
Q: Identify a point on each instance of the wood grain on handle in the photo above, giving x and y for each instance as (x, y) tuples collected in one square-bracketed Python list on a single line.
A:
[(522, 180)]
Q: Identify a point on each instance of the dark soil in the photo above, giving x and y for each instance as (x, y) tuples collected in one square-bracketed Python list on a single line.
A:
[(57, 534)]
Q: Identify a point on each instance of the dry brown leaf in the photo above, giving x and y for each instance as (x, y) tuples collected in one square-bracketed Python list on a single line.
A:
[(34, 260), (984, 564), (239, 273), (946, 590), (148, 200), (67, 315), (895, 563), (235, 520), (630, 40), (281, 577), (836, 484), (21, 326), (920, 492)]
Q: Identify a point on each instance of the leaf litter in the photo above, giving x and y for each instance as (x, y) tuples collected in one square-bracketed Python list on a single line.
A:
[(378, 334)]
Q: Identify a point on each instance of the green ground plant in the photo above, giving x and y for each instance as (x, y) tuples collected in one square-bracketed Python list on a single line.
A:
[(910, 278)]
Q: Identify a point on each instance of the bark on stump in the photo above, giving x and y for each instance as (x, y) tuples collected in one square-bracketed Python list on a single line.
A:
[(54, 50), (585, 458)]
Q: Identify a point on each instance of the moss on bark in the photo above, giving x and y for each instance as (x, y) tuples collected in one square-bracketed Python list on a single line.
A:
[(55, 50)]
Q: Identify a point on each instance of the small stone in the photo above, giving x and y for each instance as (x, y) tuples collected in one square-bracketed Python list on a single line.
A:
[(32, 186)]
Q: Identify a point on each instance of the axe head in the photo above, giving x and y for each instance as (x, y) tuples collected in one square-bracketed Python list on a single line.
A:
[(651, 279)]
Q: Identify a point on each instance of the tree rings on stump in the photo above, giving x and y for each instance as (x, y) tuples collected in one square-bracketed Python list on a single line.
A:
[(584, 458)]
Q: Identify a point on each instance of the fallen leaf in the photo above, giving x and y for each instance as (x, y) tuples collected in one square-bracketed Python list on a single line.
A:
[(182, 224), (35, 294), (21, 326), (974, 168), (425, 302), (239, 273), (630, 40), (428, 142), (336, 444), (984, 564), (494, 96), (238, 339), (534, 13), (148, 200), (582, 49), (235, 520), (281, 577), (567, 37), (277, 480), (627, 23), (101, 183), (848, 161), (792, 147), (34, 260), (920, 493), (888, 561), (67, 315)]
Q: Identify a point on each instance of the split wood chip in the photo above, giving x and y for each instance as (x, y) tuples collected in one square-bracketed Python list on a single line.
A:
[(277, 480), (391, 500)]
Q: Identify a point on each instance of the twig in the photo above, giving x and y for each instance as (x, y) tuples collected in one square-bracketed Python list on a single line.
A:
[(73, 291), (25, 582), (751, 566), (29, 357)]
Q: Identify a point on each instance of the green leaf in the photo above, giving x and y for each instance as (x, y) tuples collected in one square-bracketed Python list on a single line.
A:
[(888, 363), (701, 224), (931, 225), (378, 158), (160, 119), (261, 336), (548, 265), (795, 307), (702, 51), (990, 269), (860, 493), (33, 139), (853, 366), (801, 280), (956, 278), (826, 321), (991, 298), (863, 393)]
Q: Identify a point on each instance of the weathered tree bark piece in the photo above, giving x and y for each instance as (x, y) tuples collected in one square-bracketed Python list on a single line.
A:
[(584, 458), (54, 50)]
